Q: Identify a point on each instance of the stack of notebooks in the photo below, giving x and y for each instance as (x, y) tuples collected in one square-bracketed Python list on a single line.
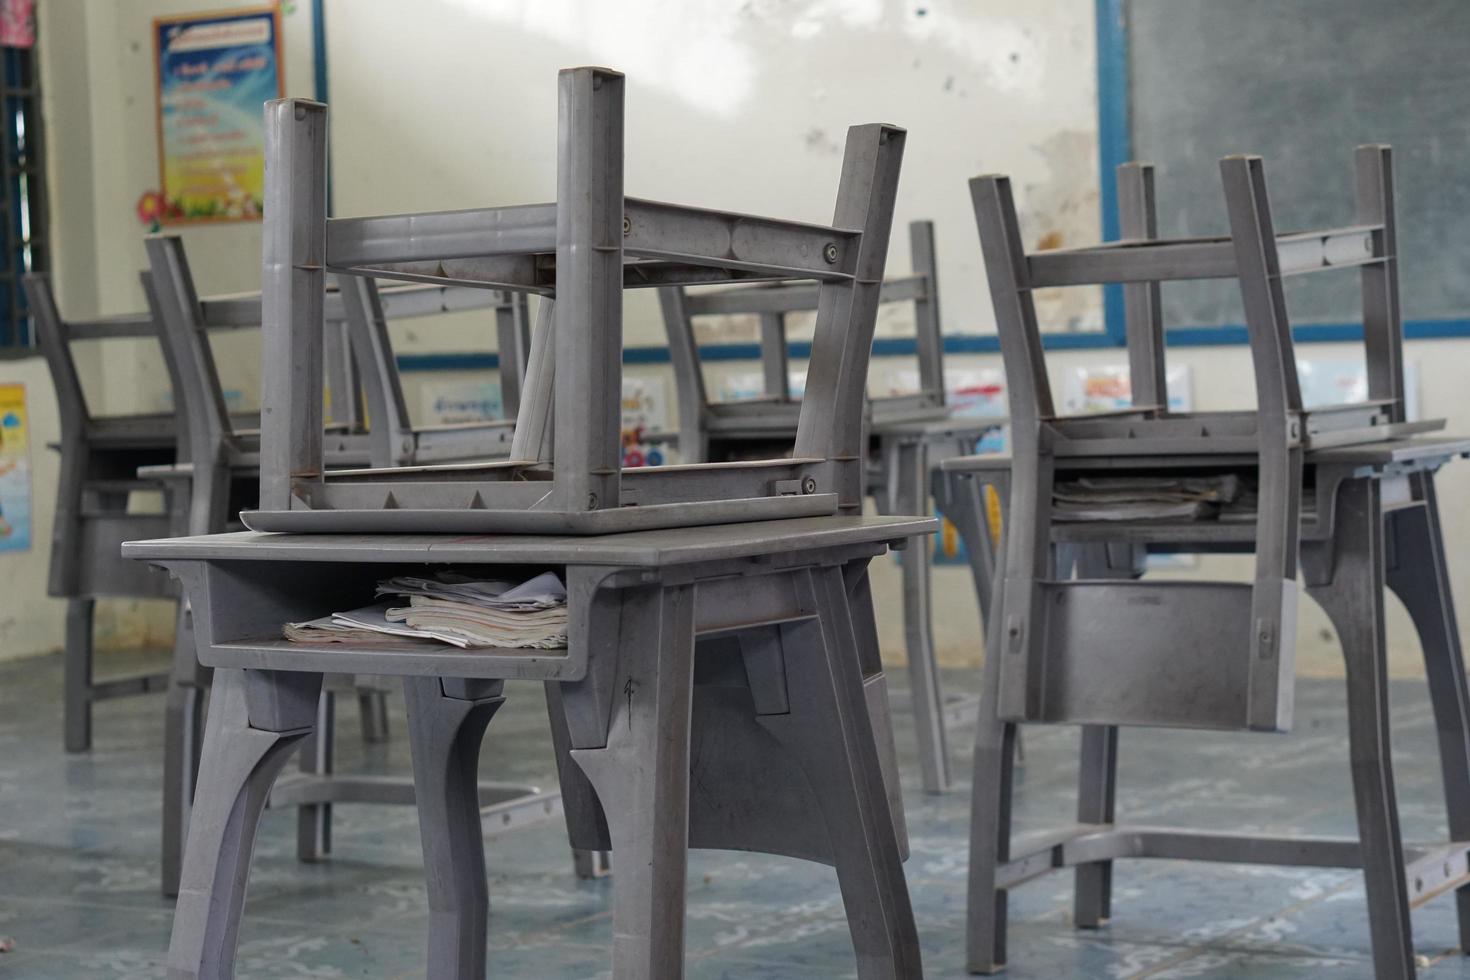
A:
[(450, 608), (1131, 498)]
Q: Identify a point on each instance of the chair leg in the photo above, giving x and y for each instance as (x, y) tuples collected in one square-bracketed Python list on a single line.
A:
[(1097, 779), (1097, 782), (990, 812), (1347, 581), (240, 762), (314, 820), (183, 739), (446, 724), (641, 776), (1418, 575), (912, 496), (827, 729), (77, 682), (373, 710)]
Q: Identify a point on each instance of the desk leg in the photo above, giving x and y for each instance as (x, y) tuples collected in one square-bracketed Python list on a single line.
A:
[(912, 496), (1418, 575), (242, 756), (828, 731), (641, 775), (446, 724), (77, 681), (1347, 579), (183, 733)]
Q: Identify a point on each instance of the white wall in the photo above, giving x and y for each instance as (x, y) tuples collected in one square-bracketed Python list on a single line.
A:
[(740, 106)]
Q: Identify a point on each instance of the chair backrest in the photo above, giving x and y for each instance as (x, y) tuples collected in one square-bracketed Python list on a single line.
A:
[(360, 372), (774, 305), (100, 456), (55, 336), (583, 250), (1272, 437)]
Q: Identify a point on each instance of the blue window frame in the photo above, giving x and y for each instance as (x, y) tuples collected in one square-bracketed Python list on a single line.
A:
[(23, 202)]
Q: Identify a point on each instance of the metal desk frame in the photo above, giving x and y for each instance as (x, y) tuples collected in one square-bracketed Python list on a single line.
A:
[(739, 659)]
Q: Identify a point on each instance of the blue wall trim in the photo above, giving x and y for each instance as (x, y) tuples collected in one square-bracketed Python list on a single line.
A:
[(1232, 334), (1114, 138)]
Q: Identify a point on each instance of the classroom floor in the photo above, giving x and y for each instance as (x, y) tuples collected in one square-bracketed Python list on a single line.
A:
[(78, 862)]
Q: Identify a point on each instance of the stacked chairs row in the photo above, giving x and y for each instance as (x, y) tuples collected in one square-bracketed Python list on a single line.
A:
[(722, 632)]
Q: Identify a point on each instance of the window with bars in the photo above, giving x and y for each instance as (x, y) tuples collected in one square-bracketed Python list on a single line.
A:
[(23, 198)]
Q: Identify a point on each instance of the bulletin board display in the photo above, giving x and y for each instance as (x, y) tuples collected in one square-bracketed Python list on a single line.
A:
[(214, 73)]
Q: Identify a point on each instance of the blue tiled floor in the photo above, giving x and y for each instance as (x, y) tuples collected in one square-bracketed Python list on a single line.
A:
[(78, 862)]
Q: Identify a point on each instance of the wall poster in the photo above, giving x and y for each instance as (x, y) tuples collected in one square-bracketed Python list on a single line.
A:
[(15, 469), (214, 74)]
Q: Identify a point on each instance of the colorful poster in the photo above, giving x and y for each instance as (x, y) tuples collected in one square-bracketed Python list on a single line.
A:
[(215, 73), (1105, 388), (645, 413), (15, 470)]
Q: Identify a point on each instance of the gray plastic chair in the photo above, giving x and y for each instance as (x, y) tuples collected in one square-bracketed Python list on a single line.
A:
[(100, 457), (582, 251), (1106, 648)]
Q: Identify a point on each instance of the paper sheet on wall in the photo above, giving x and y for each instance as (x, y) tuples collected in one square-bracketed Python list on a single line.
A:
[(1341, 380), (15, 469), (745, 385), (1105, 388), (455, 402)]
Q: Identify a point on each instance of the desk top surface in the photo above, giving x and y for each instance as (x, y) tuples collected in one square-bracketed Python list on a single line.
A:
[(1365, 454), (672, 546)]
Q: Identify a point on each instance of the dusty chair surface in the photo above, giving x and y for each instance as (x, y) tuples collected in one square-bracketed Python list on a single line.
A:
[(1118, 651), (100, 456), (582, 251), (708, 426)]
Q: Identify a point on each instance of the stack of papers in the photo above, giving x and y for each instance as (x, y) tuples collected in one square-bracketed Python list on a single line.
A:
[(1144, 498), (451, 608)]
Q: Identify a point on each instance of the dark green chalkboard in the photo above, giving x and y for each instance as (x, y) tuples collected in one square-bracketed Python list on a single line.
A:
[(1301, 83)]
